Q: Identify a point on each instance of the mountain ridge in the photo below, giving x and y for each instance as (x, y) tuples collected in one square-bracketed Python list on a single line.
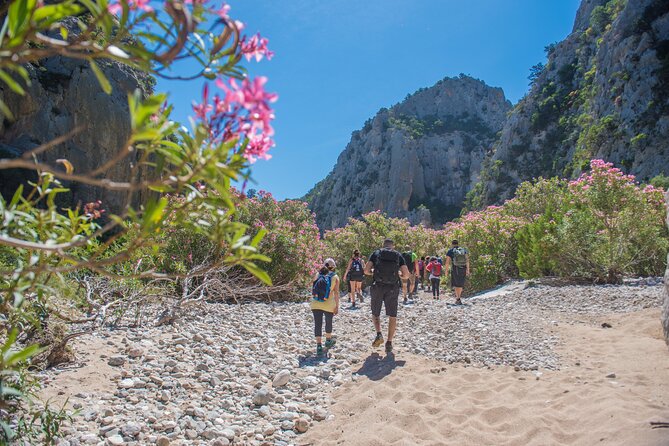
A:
[(603, 93), (427, 148)]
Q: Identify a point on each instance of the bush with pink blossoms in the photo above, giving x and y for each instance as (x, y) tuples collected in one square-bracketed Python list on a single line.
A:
[(612, 227), (292, 241), (599, 227), (367, 235)]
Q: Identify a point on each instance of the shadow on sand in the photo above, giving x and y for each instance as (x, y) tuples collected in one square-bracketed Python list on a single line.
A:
[(377, 367), (313, 360)]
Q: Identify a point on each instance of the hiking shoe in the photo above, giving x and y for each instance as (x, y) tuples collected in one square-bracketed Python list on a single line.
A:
[(353, 307), (389, 347), (319, 350), (378, 340), (330, 343), (458, 302)]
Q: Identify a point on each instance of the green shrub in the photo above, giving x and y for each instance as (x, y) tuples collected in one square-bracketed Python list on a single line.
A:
[(600, 227)]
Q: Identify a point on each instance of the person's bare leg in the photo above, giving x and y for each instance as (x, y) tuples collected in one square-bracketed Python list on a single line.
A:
[(392, 326), (377, 323), (405, 285), (318, 339), (458, 293)]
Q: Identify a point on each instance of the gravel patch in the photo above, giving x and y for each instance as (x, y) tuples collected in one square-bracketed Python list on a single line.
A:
[(248, 374)]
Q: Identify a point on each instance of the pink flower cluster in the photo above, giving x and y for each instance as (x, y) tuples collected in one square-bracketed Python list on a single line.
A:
[(115, 7), (255, 46), (243, 114)]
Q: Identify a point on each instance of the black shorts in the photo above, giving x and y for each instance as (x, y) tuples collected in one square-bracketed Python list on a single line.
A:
[(458, 276), (385, 295), (355, 278)]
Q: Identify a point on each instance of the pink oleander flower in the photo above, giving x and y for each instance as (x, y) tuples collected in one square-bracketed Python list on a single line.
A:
[(223, 11), (256, 47), (116, 8)]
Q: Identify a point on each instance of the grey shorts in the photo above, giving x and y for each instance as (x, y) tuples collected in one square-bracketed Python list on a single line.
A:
[(385, 295)]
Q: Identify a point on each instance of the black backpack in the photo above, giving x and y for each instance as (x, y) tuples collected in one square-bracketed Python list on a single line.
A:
[(386, 267), (356, 267), (408, 256)]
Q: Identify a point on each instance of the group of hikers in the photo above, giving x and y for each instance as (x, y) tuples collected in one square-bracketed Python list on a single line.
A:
[(390, 271)]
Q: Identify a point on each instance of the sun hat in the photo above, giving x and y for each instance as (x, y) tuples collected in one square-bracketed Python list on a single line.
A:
[(329, 262)]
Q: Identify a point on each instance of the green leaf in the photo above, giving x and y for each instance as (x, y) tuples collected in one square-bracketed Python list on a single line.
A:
[(6, 111), (12, 358), (52, 13), (102, 79), (258, 272), (258, 238), (21, 70), (18, 14), (11, 83), (154, 211), (10, 341), (17, 196), (141, 111), (259, 257)]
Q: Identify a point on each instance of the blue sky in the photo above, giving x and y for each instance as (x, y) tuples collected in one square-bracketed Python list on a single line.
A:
[(338, 62)]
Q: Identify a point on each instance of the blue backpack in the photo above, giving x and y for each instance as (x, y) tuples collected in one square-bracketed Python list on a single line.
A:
[(320, 290)]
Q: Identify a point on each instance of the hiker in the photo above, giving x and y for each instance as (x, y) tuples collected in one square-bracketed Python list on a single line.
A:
[(355, 272), (387, 268), (409, 284), (434, 268), (458, 257), (325, 303), (421, 273)]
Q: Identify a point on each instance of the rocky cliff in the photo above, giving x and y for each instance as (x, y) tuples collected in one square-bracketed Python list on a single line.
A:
[(64, 94), (417, 159), (604, 93)]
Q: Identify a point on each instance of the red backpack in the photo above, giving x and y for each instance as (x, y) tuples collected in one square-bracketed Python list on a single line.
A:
[(436, 269)]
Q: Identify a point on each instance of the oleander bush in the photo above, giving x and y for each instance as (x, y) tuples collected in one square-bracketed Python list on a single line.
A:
[(112, 260), (600, 227)]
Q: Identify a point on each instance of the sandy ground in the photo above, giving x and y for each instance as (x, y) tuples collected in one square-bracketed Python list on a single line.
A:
[(403, 399), (89, 374)]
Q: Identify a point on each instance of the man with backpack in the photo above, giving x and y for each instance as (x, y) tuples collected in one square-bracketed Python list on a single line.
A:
[(458, 257), (434, 268), (387, 267), (408, 285)]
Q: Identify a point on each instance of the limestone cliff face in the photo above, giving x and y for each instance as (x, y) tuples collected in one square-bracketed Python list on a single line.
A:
[(604, 93), (417, 159), (64, 95)]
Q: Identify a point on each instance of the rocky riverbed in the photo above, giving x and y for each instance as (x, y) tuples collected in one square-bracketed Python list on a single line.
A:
[(247, 374)]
